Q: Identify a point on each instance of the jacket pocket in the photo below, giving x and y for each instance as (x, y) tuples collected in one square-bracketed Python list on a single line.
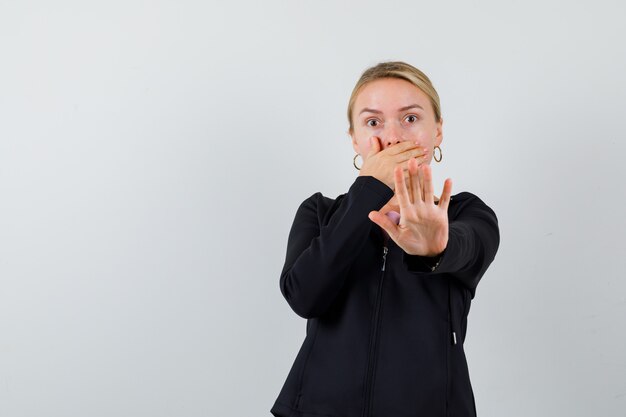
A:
[(459, 394), (467, 301), (299, 392), (448, 344)]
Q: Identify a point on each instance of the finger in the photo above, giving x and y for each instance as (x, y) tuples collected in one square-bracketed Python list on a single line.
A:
[(384, 222), (420, 185), (400, 187), (413, 181), (402, 147), (444, 200), (417, 190), (428, 185), (407, 182), (417, 152)]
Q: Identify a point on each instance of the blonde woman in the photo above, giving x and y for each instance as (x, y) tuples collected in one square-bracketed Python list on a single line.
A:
[(385, 273)]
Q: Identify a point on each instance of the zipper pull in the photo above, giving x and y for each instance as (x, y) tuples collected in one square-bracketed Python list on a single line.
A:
[(454, 337), (384, 257)]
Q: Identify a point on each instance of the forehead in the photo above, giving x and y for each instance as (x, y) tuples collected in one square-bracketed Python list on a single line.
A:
[(389, 94)]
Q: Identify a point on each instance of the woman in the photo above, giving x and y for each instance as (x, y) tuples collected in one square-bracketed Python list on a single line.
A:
[(385, 273)]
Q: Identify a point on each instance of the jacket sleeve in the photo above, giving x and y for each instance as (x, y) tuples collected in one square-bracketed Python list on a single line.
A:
[(318, 258), (473, 240)]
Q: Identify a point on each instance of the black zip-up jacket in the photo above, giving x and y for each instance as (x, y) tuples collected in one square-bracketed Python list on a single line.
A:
[(385, 329)]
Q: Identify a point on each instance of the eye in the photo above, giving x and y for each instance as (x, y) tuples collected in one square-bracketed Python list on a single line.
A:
[(411, 118), (372, 122)]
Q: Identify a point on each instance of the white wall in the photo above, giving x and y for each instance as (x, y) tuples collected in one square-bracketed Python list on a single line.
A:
[(140, 142)]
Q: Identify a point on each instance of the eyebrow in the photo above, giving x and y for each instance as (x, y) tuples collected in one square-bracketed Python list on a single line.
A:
[(410, 106)]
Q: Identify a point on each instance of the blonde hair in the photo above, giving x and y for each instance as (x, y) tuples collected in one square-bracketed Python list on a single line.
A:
[(396, 69)]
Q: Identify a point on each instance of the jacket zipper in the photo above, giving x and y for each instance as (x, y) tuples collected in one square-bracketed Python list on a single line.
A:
[(369, 384), (451, 316)]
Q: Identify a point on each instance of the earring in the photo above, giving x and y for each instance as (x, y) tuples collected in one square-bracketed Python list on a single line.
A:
[(440, 153), (354, 162)]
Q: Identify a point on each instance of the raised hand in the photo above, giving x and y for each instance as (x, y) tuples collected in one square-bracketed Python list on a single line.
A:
[(423, 227)]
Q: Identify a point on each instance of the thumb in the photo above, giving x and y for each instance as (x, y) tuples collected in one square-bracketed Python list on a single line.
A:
[(383, 221)]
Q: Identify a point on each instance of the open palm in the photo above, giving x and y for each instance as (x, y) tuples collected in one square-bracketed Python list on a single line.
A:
[(423, 227)]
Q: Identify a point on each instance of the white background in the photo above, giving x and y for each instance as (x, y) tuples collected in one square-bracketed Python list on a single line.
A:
[(153, 154)]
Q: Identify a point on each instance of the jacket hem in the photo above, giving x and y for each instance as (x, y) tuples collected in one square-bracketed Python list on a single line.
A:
[(283, 410)]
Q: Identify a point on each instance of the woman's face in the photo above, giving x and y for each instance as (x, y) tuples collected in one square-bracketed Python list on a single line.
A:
[(394, 110)]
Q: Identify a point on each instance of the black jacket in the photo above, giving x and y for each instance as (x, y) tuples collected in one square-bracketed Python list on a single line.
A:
[(385, 329)]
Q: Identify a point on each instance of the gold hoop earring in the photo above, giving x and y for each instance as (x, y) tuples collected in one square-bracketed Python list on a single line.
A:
[(354, 162), (440, 153)]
